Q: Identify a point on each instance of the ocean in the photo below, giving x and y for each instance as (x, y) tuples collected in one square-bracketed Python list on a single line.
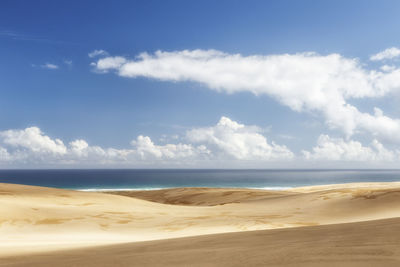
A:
[(135, 179)]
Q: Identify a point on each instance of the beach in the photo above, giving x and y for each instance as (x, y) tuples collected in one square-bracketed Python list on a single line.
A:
[(353, 224)]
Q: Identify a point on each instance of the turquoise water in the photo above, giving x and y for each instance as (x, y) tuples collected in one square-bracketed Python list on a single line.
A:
[(152, 179)]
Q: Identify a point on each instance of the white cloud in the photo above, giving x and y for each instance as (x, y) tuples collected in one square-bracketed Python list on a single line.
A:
[(146, 149), (68, 62), (389, 53), (79, 147), (225, 145), (33, 140), (49, 66), (388, 68), (96, 53), (305, 82), (225, 142), (337, 149), (104, 64), (239, 141), (4, 155), (31, 147)]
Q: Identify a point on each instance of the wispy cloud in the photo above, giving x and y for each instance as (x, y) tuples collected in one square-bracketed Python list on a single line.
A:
[(96, 53), (29, 37), (389, 53), (50, 66), (287, 136)]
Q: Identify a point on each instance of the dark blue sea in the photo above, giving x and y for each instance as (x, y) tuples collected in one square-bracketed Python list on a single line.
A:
[(155, 179)]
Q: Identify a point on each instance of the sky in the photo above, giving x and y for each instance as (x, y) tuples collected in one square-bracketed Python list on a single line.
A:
[(199, 84)]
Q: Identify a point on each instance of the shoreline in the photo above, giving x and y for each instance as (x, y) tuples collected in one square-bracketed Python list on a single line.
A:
[(267, 188), (272, 188)]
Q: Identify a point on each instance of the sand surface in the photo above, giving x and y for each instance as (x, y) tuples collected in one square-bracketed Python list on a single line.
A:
[(372, 243), (39, 226)]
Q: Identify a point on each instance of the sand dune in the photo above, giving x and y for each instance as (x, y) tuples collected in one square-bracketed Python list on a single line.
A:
[(372, 243), (198, 196), (37, 219)]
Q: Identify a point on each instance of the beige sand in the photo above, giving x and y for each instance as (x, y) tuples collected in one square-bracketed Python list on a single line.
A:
[(38, 220), (372, 243)]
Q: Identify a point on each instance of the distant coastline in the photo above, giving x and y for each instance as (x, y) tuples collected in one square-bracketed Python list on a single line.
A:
[(149, 179)]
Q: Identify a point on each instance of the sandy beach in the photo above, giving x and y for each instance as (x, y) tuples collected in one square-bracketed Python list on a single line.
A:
[(346, 224)]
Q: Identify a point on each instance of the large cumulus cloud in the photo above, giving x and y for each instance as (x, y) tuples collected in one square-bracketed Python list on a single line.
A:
[(304, 82)]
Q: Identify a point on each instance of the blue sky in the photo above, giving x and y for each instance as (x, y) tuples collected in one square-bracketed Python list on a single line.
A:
[(135, 115)]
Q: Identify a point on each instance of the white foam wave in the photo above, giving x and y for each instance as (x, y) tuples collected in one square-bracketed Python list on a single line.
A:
[(119, 189), (277, 188)]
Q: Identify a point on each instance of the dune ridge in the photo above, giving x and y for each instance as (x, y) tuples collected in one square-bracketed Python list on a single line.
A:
[(39, 219)]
